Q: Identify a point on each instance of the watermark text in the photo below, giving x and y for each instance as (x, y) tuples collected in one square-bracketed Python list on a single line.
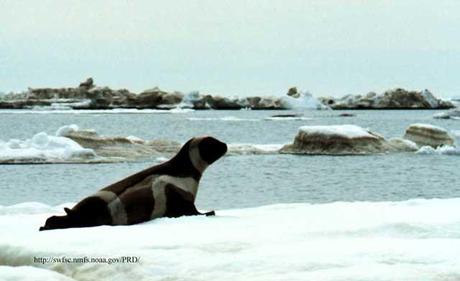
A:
[(87, 259)]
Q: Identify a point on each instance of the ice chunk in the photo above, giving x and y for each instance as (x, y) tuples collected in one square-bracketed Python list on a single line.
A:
[(65, 130), (135, 139), (446, 150), (43, 148), (427, 134), (401, 144), (305, 100), (428, 96), (336, 140)]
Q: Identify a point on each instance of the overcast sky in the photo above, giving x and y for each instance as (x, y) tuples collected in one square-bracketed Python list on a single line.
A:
[(233, 47)]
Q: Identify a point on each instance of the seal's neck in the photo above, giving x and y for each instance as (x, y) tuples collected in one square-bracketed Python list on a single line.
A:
[(194, 154), (188, 161)]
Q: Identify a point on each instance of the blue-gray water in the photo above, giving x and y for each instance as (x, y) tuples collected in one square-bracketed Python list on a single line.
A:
[(241, 181)]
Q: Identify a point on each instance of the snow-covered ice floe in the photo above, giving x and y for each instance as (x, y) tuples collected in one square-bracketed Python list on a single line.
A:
[(44, 148), (409, 240), (355, 140), (336, 140), (427, 134), (70, 144)]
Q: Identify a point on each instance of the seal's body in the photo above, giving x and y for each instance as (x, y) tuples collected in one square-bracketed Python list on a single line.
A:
[(165, 190)]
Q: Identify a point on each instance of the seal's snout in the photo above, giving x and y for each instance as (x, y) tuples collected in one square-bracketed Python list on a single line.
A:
[(220, 147), (217, 147)]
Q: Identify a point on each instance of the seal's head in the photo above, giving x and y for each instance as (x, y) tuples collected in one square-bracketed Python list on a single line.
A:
[(200, 152), (203, 151), (57, 222), (211, 149)]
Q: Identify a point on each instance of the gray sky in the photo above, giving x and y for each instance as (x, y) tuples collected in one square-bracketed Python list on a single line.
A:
[(329, 47)]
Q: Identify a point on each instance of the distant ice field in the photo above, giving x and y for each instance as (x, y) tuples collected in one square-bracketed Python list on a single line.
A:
[(240, 126)]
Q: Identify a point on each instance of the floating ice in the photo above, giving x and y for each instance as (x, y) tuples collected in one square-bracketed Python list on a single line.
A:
[(427, 134), (180, 110), (409, 240), (446, 150), (161, 159), (428, 126), (455, 133), (66, 130), (189, 99), (305, 101), (336, 140), (401, 144), (428, 96), (135, 139), (44, 148), (248, 148)]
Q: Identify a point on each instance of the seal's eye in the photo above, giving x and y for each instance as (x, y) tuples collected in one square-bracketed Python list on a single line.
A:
[(211, 149)]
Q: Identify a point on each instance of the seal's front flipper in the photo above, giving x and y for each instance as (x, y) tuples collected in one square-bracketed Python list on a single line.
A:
[(211, 213), (192, 211), (180, 203)]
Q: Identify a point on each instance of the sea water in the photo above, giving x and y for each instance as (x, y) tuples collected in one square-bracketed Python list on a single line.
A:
[(242, 180)]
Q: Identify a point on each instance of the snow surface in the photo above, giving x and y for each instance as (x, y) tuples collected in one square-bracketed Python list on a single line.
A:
[(346, 131), (409, 240), (8, 273), (44, 148)]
